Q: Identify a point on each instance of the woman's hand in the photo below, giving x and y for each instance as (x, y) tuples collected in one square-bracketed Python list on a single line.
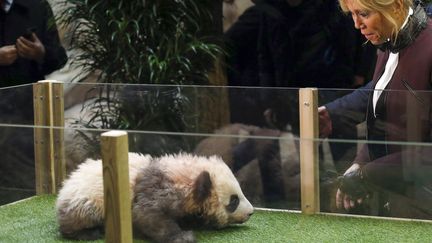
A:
[(325, 123), (352, 190)]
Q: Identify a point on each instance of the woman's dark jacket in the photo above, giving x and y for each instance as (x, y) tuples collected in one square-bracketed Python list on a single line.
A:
[(26, 14), (403, 112)]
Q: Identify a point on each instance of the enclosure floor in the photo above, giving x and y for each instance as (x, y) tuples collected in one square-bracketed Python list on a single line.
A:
[(33, 220)]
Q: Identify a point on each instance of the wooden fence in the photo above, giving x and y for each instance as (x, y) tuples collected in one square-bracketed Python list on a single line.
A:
[(50, 161)]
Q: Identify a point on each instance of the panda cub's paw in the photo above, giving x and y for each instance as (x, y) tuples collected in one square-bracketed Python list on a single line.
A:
[(184, 237)]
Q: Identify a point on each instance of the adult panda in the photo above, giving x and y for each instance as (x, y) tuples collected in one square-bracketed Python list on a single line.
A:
[(169, 196)]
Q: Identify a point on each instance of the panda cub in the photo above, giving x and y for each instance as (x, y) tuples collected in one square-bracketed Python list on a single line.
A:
[(169, 196)]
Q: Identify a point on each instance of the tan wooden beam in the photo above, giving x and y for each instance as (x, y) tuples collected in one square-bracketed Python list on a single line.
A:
[(308, 106), (48, 144), (118, 219), (58, 134)]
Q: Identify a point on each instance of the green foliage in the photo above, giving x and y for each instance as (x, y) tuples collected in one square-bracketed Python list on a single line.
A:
[(141, 42), (147, 41), (155, 109)]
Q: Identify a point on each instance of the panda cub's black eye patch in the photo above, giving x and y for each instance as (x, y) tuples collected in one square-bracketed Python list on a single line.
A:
[(233, 204)]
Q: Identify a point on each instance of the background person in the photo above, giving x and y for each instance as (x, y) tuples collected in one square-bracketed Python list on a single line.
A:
[(29, 43), (29, 49)]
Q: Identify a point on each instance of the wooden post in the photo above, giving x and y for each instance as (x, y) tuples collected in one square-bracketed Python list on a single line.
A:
[(58, 134), (48, 142), (117, 202), (308, 106)]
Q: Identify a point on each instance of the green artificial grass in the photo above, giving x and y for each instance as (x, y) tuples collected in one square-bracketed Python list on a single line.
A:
[(33, 220)]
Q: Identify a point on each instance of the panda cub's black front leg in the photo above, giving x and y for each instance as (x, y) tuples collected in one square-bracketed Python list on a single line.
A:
[(156, 206), (160, 227)]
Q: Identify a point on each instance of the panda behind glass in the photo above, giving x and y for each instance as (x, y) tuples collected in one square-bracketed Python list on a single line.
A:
[(170, 195)]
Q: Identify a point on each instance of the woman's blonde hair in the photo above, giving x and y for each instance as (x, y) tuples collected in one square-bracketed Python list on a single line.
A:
[(386, 8)]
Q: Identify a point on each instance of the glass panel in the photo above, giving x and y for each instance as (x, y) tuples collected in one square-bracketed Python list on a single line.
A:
[(16, 105), (262, 150), (180, 108), (17, 171), (258, 140)]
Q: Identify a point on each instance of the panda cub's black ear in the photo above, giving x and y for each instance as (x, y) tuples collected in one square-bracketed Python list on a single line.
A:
[(202, 187)]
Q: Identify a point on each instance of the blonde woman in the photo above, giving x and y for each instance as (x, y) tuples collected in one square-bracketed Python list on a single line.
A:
[(398, 110)]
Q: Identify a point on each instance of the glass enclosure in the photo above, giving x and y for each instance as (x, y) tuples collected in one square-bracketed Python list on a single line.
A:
[(16, 141), (254, 130)]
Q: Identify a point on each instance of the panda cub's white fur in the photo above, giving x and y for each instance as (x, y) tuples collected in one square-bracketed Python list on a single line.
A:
[(169, 195)]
